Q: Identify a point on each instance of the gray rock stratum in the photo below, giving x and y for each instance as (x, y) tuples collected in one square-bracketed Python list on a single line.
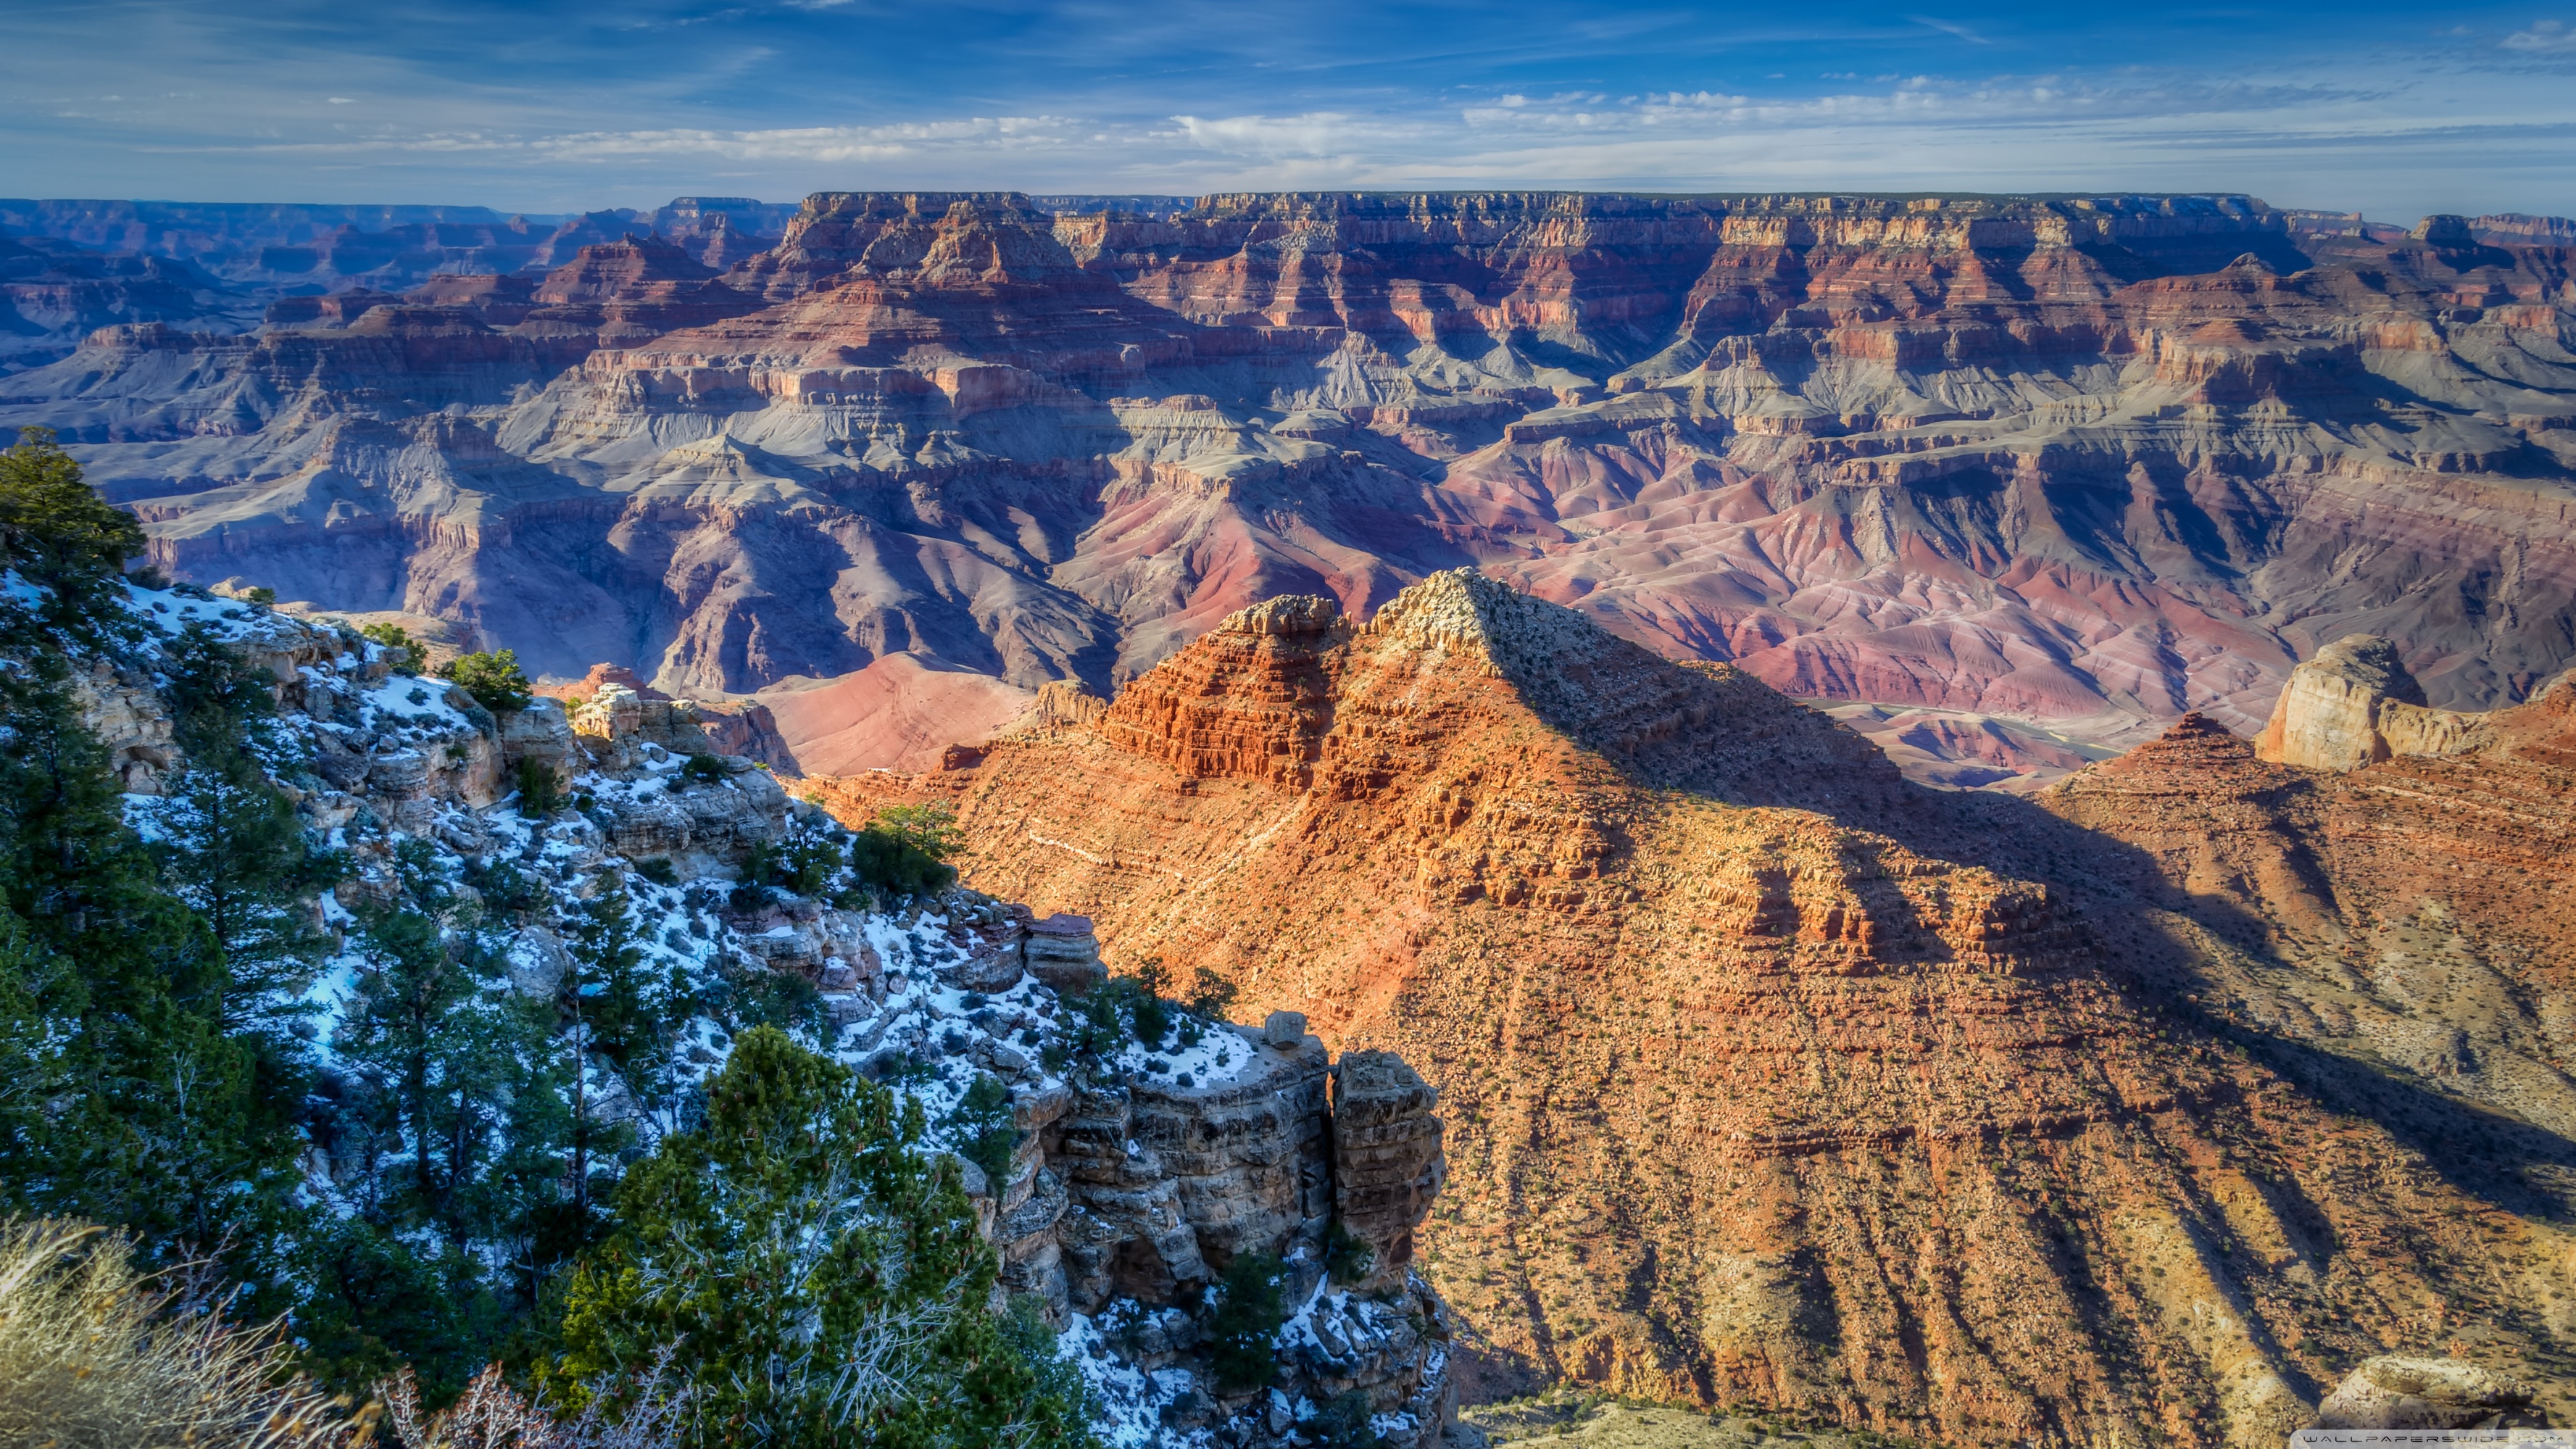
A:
[(2086, 463)]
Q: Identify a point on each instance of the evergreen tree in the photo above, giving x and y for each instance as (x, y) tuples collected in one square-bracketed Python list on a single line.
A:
[(450, 1053), (623, 1006), (493, 679), (459, 1109), (69, 546), (230, 844), (821, 1281), (35, 1034), (156, 1118), (614, 1015)]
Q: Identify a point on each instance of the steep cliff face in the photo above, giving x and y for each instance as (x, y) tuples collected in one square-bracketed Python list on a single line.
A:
[(1748, 1102), (2086, 463)]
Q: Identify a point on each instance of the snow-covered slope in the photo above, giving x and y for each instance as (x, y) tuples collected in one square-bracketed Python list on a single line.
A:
[(1141, 1168)]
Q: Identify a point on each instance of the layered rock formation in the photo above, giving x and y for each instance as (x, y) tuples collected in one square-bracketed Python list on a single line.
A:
[(1771, 1079), (53, 295), (2399, 927), (2087, 463)]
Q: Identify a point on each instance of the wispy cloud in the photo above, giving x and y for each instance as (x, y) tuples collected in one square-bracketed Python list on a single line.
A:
[(2545, 36), (1948, 27)]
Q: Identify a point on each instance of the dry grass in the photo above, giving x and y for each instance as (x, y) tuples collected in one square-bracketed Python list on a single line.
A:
[(492, 1415), (94, 1354)]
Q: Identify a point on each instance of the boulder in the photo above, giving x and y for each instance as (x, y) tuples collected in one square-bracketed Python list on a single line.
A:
[(540, 732), (613, 712)]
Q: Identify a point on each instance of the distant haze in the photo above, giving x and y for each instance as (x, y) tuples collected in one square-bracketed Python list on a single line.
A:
[(575, 105)]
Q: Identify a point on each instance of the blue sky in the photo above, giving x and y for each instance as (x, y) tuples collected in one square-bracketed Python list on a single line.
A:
[(2394, 109)]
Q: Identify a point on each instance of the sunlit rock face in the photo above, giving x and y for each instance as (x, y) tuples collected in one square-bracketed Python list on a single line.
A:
[(2088, 464), (2131, 1109)]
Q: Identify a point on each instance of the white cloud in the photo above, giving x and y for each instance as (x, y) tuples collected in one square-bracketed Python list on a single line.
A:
[(2546, 36)]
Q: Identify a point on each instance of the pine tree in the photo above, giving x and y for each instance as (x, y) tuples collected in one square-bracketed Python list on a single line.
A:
[(70, 546), (449, 1049), (614, 1014), (35, 1035), (821, 1280), (156, 1117), (230, 844)]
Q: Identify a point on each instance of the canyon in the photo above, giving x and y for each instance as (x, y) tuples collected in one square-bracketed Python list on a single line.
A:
[(2146, 1107), (2030, 479), (1962, 803)]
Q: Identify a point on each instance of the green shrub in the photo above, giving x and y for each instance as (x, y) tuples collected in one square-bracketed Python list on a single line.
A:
[(981, 1127), (757, 882), (1346, 1423), (405, 655), (930, 829), (703, 769), (1141, 999), (1026, 1330), (809, 859), (659, 870), (804, 863), (1347, 1257), (540, 790), (904, 851), (1211, 995), (508, 892), (781, 999), (492, 678), (1251, 1304)]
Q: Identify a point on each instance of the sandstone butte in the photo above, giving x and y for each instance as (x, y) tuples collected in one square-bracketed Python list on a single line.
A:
[(2140, 1111), (2086, 464)]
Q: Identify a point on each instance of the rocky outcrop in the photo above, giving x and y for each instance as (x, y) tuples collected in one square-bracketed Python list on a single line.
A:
[(1128, 1199), (2427, 1393), (2354, 704), (1387, 1165), (1062, 952), (620, 717)]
